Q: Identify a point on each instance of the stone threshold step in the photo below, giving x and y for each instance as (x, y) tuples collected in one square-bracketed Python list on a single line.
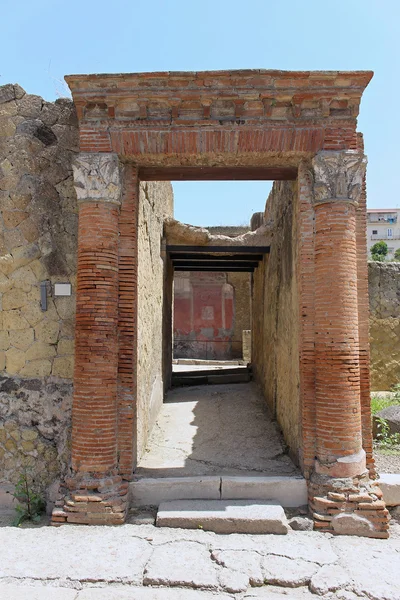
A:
[(214, 377), (289, 492), (223, 516)]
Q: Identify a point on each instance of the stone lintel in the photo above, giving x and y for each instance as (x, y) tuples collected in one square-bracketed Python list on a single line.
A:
[(97, 177)]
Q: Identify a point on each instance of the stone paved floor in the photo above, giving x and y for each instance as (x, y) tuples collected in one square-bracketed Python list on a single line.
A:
[(215, 429), (142, 562)]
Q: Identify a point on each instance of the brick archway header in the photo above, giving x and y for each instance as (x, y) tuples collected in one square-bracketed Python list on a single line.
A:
[(245, 114)]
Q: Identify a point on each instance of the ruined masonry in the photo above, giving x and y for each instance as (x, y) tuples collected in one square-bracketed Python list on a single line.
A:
[(310, 349)]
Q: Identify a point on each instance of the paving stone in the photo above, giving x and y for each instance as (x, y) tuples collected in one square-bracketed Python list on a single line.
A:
[(329, 579), (375, 572), (169, 566), (240, 560), (233, 581), (286, 572), (307, 545), (390, 486), (147, 594), (23, 592), (148, 491), (223, 516), (286, 491), (105, 553)]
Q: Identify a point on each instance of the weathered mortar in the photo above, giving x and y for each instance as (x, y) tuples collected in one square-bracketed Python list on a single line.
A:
[(275, 324), (384, 324)]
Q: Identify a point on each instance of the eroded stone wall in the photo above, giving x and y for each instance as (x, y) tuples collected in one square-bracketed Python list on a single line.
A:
[(38, 240), (275, 326), (384, 324), (38, 231), (154, 277)]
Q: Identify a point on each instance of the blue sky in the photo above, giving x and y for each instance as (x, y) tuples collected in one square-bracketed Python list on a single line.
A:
[(41, 41)]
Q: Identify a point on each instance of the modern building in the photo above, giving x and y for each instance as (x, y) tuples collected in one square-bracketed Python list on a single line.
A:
[(383, 225)]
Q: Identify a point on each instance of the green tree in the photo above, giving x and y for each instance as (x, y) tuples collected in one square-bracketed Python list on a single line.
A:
[(397, 255), (379, 251)]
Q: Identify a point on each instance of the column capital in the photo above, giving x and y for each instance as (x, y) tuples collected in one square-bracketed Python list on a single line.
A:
[(338, 176), (97, 177)]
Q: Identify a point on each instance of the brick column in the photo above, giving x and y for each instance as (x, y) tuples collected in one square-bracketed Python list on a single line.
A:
[(97, 494), (342, 496)]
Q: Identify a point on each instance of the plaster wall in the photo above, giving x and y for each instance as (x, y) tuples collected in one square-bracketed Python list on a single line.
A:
[(210, 312), (275, 321), (154, 276), (384, 324)]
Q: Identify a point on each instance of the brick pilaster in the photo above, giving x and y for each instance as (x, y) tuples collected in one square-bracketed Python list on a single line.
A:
[(96, 492), (127, 323), (342, 497)]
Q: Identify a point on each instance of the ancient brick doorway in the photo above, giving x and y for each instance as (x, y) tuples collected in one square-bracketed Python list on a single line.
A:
[(272, 124)]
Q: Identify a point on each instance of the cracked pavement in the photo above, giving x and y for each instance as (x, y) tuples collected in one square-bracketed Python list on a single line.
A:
[(140, 562), (211, 430)]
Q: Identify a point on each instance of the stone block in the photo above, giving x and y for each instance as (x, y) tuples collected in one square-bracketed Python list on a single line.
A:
[(15, 360), (9, 109), (29, 230), (40, 350), (65, 347), (22, 338), (14, 298), (5, 283), (7, 128), (151, 492), (65, 307), (13, 320), (7, 93), (25, 254), (36, 368), (47, 331), (390, 486), (4, 340), (2, 360), (23, 278), (168, 566), (286, 491), (223, 516), (63, 367), (12, 218)]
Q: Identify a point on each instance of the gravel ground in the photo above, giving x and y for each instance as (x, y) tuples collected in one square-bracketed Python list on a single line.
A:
[(387, 463)]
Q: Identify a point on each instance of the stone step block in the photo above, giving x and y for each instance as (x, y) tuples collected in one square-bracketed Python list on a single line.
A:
[(148, 491), (289, 492), (223, 516), (390, 486)]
